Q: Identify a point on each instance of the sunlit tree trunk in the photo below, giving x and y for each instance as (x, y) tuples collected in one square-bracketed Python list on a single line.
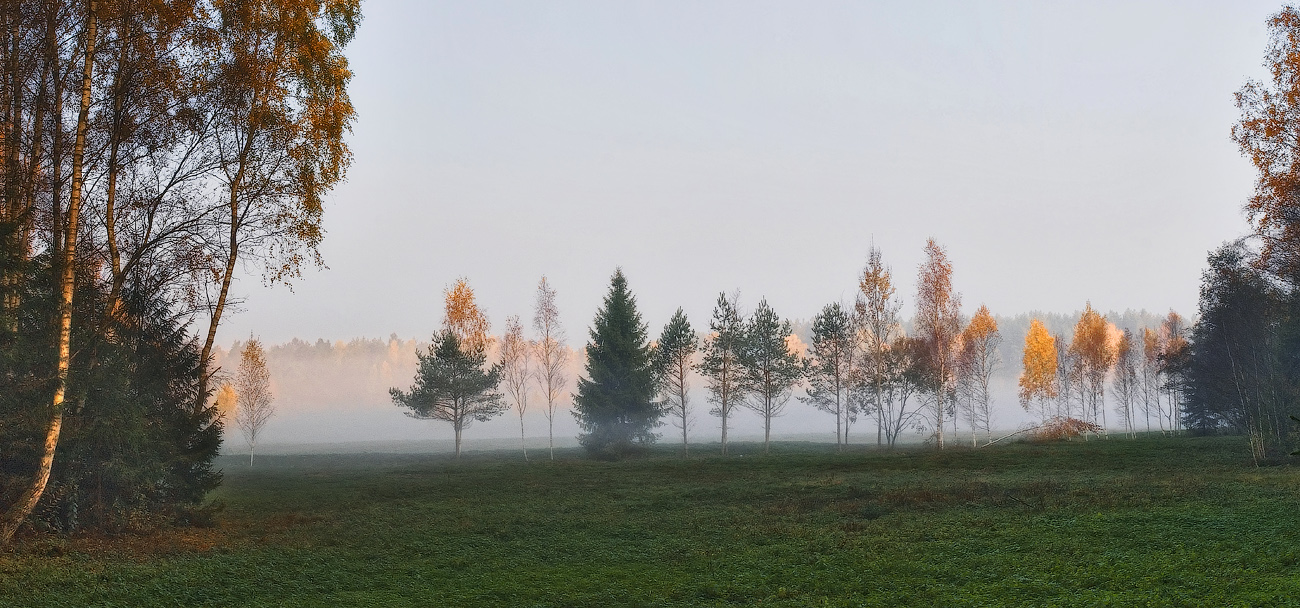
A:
[(17, 513)]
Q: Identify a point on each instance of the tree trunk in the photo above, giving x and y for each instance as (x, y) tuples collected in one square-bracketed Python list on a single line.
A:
[(767, 430), (724, 428), (16, 514), (522, 438), (550, 425), (458, 440)]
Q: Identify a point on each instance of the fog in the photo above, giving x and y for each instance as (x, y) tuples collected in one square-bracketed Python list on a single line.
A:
[(333, 396)]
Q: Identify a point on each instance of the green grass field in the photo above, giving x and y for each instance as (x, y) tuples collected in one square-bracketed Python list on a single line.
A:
[(1151, 522)]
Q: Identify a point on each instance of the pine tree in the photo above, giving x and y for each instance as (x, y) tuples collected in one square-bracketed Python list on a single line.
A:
[(830, 364), (677, 345), (770, 368), (615, 404), (720, 363), (451, 385)]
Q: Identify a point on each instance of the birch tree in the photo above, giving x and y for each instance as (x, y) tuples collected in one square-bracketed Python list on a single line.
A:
[(878, 326), (551, 355), (280, 109), (517, 372), (1037, 382), (978, 360), (27, 500), (254, 402), (1092, 348), (938, 312), (1126, 385)]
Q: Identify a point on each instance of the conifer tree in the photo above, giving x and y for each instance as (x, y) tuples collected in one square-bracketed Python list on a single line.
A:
[(830, 364), (771, 369), (677, 345), (451, 385), (615, 404), (720, 364)]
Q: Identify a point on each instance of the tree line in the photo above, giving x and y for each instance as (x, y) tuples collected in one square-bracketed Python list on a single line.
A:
[(149, 150)]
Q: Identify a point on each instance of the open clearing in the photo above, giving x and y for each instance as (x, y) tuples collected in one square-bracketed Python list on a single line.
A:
[(1151, 522)]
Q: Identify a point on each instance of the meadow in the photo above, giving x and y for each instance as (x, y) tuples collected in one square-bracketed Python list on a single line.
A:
[(1149, 522)]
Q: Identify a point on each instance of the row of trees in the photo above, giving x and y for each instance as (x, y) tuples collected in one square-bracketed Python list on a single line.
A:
[(149, 149), (1066, 380)]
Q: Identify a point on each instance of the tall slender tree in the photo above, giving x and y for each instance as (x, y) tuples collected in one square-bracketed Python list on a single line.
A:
[(14, 516), (517, 372), (1092, 347), (673, 366), (615, 404), (721, 363), (254, 402), (977, 360), (552, 355), (878, 327), (938, 318), (1126, 380)]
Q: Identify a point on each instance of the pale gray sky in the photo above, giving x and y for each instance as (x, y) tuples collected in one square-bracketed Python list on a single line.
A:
[(1061, 151)]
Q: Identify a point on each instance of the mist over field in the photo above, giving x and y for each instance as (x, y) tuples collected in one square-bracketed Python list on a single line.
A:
[(333, 396)]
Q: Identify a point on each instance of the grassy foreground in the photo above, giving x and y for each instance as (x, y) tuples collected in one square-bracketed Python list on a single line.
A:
[(1151, 522)]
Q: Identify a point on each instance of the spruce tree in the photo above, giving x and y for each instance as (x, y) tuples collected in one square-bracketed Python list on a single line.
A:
[(615, 404)]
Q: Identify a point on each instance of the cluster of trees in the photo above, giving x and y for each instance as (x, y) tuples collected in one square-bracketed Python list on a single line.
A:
[(1064, 382), (454, 382), (1243, 372), (148, 150)]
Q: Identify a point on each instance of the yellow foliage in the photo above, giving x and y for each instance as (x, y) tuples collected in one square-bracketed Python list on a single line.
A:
[(1038, 381), (464, 318), (226, 401)]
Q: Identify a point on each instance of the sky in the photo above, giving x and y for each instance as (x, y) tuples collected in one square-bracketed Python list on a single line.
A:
[(1062, 152)]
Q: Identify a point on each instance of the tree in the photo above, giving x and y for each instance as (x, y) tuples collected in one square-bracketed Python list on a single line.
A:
[(517, 372), (906, 378), (463, 317), (878, 326), (830, 363), (1095, 354), (279, 106), (1150, 377), (977, 359), (615, 404), (1266, 134), (1126, 380), (1038, 380), (770, 369), (254, 403), (673, 355), (14, 516), (938, 313), (452, 385), (1235, 373), (1173, 365), (552, 355), (721, 363)]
